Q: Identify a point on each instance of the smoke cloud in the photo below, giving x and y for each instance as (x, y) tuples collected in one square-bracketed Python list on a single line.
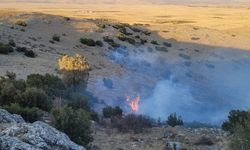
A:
[(198, 90)]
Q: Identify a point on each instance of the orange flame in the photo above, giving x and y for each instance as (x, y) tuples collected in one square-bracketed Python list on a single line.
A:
[(134, 103)]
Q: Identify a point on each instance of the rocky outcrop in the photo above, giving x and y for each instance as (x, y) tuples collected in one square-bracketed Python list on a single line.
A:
[(16, 134), (6, 117)]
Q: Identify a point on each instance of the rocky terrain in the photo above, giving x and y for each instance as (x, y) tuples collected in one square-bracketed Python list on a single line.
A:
[(162, 138), (15, 133)]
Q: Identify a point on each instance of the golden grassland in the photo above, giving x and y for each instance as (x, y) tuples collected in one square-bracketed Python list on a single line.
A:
[(229, 26)]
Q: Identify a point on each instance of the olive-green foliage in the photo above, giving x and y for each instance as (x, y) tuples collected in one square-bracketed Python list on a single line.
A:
[(34, 97), (241, 136), (88, 42), (75, 123), (76, 79), (173, 120), (78, 101), (29, 114), (236, 117), (51, 84), (111, 42), (110, 111), (5, 48)]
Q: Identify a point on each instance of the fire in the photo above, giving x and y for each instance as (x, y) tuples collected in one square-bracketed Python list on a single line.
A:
[(134, 103)]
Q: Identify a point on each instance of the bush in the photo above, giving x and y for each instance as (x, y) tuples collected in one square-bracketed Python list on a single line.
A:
[(21, 23), (21, 49), (99, 43), (107, 112), (30, 53), (88, 42), (34, 97), (204, 141), (29, 114), (75, 123), (51, 84), (154, 42), (111, 42), (236, 117), (102, 26), (12, 43), (132, 122), (78, 101), (5, 49), (56, 38), (173, 120)]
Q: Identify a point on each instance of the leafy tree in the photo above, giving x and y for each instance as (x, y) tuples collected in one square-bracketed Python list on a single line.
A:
[(75, 70), (34, 97), (241, 136), (75, 123), (236, 117), (173, 120)]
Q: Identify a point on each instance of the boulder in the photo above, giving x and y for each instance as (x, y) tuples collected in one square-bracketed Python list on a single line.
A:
[(32, 136)]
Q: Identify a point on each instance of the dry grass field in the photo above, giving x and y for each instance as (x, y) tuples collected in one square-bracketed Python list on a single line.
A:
[(227, 26)]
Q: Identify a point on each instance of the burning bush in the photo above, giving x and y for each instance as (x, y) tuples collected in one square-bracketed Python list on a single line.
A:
[(75, 69), (173, 120)]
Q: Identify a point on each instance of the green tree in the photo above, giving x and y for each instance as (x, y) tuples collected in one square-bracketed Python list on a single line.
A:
[(173, 120), (34, 97), (75, 123), (107, 112), (236, 117), (77, 101)]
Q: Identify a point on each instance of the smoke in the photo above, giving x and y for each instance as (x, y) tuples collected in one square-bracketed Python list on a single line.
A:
[(198, 90)]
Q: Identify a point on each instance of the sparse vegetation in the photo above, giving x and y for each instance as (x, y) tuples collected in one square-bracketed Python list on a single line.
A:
[(12, 43), (154, 42)]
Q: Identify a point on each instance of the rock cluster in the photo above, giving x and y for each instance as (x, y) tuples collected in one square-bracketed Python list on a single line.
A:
[(15, 133)]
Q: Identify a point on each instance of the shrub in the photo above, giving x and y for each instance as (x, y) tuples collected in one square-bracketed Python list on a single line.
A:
[(78, 101), (75, 123), (30, 53), (154, 42), (111, 42), (204, 141), (117, 111), (56, 38), (167, 44), (21, 23), (21, 49), (236, 117), (99, 43), (51, 84), (88, 42), (122, 37), (67, 18), (132, 122), (12, 43), (107, 112), (34, 97), (102, 26), (5, 49), (173, 120), (29, 114)]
